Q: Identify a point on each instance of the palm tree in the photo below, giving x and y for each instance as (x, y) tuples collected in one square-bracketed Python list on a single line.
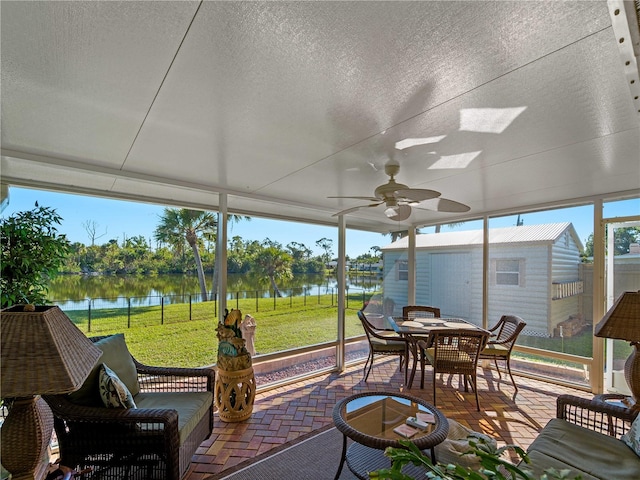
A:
[(450, 225), (180, 225), (400, 234), (231, 219), (273, 262)]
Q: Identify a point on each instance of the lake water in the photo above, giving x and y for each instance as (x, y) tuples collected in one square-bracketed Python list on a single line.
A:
[(77, 291)]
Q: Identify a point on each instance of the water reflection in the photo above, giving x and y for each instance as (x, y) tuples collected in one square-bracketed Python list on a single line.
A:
[(112, 291)]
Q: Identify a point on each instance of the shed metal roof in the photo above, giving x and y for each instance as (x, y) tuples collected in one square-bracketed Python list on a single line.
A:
[(544, 233)]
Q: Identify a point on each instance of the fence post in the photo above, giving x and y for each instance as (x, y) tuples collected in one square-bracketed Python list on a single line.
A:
[(215, 305), (347, 295), (318, 294), (162, 310), (190, 307), (256, 300), (237, 300), (305, 297), (274, 299), (89, 319), (128, 312)]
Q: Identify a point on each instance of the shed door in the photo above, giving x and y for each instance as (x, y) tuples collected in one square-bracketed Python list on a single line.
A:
[(451, 284)]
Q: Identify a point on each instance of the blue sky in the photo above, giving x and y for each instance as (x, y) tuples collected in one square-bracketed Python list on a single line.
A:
[(119, 219)]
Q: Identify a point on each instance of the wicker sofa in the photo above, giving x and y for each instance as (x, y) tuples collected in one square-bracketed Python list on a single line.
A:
[(155, 440), (585, 438)]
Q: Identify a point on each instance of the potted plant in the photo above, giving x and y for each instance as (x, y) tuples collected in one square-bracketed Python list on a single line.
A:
[(234, 391)]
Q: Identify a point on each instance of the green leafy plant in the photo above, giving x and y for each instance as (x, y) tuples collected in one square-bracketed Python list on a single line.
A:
[(32, 252), (492, 466)]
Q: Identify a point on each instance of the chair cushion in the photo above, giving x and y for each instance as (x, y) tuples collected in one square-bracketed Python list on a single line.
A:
[(117, 357), (495, 350), (380, 345), (113, 392), (191, 407), (454, 355)]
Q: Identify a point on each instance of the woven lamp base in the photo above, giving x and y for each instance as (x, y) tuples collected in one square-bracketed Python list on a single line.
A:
[(632, 372), (234, 394), (26, 433)]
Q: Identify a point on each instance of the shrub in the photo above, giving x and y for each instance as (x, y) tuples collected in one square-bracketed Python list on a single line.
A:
[(32, 252), (492, 466)]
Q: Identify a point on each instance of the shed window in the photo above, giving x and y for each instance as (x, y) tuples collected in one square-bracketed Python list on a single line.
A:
[(402, 269), (508, 272)]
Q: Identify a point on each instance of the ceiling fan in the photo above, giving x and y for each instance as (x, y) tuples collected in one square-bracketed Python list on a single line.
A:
[(398, 198)]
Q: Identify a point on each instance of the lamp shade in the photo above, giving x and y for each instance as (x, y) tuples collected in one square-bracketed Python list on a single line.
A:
[(622, 321), (42, 352)]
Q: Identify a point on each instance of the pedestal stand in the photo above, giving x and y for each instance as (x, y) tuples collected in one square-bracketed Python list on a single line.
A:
[(234, 393)]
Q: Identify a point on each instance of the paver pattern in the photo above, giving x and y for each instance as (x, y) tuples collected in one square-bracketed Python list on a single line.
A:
[(283, 414)]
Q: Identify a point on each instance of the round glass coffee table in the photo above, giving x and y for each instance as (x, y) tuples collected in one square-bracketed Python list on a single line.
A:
[(372, 420)]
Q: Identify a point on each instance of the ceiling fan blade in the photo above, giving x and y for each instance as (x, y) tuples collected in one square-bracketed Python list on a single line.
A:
[(416, 194), (353, 209), (444, 205), (370, 199), (402, 213)]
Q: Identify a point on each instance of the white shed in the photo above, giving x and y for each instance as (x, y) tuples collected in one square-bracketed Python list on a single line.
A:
[(533, 272)]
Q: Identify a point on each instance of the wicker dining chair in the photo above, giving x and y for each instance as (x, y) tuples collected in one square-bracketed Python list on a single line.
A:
[(383, 343), (454, 352), (410, 312), (503, 338)]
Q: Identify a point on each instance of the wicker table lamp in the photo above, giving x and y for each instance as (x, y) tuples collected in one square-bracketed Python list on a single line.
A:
[(622, 321), (42, 352)]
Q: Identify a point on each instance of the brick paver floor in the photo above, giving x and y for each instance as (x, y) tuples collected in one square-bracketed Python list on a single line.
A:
[(282, 415)]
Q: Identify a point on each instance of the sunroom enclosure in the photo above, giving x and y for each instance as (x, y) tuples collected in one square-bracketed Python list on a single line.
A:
[(544, 275), (560, 300)]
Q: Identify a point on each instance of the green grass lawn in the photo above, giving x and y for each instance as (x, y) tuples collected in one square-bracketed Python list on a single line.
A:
[(166, 336), (177, 341)]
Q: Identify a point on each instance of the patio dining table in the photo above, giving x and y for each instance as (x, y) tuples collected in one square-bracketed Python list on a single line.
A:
[(423, 328)]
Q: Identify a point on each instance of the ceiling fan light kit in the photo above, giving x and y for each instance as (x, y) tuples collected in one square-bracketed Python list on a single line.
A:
[(399, 198)]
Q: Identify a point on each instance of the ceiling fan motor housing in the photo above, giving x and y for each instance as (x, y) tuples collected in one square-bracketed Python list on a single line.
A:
[(387, 191)]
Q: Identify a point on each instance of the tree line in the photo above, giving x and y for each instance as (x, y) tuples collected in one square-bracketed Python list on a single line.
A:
[(186, 244)]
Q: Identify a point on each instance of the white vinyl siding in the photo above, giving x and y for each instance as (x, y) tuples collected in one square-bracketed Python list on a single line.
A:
[(543, 257)]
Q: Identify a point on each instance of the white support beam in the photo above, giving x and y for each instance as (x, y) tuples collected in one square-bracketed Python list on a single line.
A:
[(411, 263), (342, 282), (221, 250)]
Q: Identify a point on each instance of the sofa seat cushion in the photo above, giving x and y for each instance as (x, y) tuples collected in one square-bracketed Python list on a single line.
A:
[(583, 451), (540, 462), (453, 449), (191, 407)]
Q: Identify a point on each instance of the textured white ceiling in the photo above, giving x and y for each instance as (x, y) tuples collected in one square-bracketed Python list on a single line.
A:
[(283, 104)]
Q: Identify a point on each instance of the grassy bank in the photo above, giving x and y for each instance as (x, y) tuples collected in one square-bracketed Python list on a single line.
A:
[(184, 335), (172, 339)]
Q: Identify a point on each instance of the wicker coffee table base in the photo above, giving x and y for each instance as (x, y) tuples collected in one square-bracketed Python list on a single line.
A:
[(361, 460)]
